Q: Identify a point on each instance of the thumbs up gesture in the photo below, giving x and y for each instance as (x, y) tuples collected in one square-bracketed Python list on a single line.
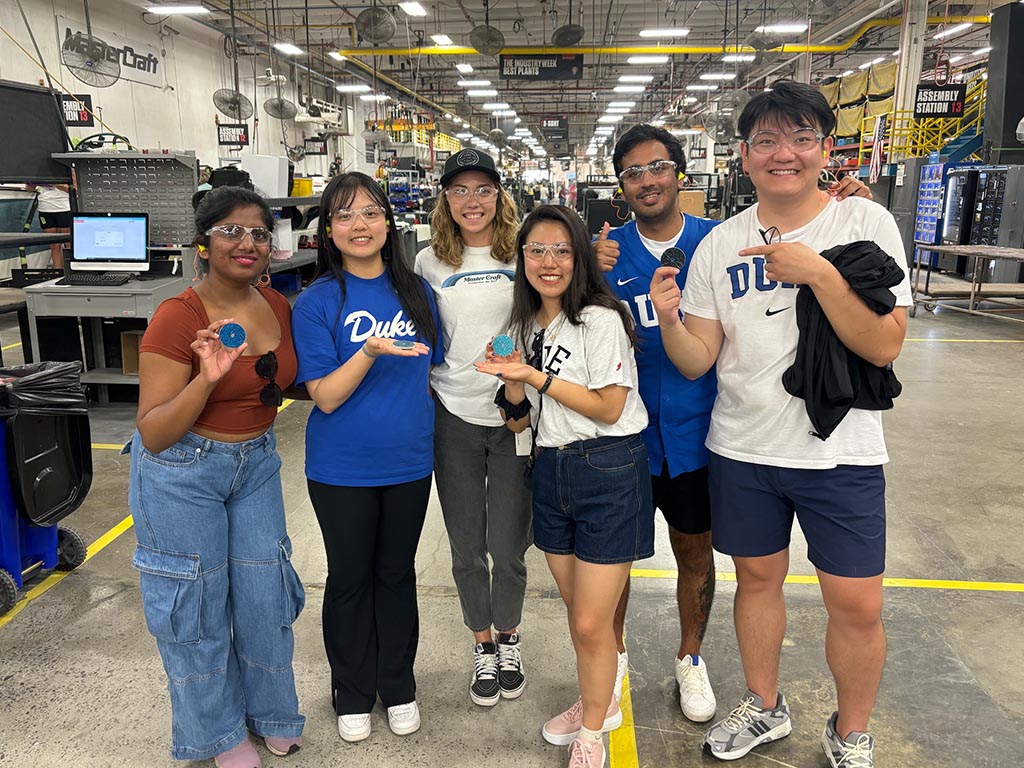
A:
[(606, 251)]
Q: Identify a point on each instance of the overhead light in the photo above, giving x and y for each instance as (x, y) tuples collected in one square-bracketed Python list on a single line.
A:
[(604, 130), (442, 39), (609, 118), (335, 55), (523, 131), (504, 113), (518, 120), (698, 87), (718, 76), (952, 31), (621, 103), (981, 51), (463, 135), (628, 89), (593, 150), (483, 93), (494, 105), (733, 58), (464, 68), (288, 49), (677, 32), (618, 110), (352, 88), (783, 29), (867, 64), (168, 10), (955, 59), (636, 78), (413, 9), (896, 52), (647, 60), (847, 72), (474, 83), (373, 97), (690, 100)]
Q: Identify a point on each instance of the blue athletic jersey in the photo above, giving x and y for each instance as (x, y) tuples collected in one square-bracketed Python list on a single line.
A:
[(679, 409), (384, 433)]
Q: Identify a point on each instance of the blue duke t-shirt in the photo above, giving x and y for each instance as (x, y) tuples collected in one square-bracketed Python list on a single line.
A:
[(383, 434)]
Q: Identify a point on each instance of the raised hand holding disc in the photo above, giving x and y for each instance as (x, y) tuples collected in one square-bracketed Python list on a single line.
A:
[(673, 257)]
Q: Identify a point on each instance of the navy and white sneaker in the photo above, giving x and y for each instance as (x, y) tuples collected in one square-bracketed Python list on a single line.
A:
[(484, 689), (749, 725), (853, 752), (511, 673)]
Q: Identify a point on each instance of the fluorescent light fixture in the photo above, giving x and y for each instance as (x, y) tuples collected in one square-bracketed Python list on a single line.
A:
[(867, 64), (690, 100), (621, 103), (168, 10), (373, 97), (659, 121), (647, 60), (473, 83), (413, 9), (529, 140), (981, 51), (609, 118), (464, 68), (604, 130), (494, 105), (677, 32), (618, 110), (463, 135), (718, 76), (289, 49), (699, 87), (896, 52), (955, 59), (518, 120), (847, 72), (733, 58), (593, 150), (636, 78), (352, 88), (335, 55), (628, 89), (442, 39), (484, 93), (504, 113), (783, 29), (952, 31)]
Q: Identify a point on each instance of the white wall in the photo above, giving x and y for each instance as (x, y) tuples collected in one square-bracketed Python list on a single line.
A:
[(180, 114)]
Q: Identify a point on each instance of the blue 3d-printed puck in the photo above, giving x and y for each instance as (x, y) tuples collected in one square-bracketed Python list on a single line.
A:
[(232, 335), (400, 344), (503, 345)]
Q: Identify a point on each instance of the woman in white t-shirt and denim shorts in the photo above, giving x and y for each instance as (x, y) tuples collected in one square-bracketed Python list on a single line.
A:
[(592, 509)]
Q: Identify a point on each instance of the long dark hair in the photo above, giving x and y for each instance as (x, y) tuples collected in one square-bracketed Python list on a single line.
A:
[(216, 205), (410, 289), (587, 287)]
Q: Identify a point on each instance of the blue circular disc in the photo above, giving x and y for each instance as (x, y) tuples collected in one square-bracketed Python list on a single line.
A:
[(503, 345), (232, 335), (402, 344)]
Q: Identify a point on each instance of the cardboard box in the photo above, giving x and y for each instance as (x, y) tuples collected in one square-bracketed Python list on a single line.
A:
[(130, 352)]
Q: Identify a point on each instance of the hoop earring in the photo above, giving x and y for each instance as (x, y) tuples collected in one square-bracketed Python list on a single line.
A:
[(264, 279)]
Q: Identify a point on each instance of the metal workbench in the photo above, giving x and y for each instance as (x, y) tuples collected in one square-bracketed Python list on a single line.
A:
[(1006, 295)]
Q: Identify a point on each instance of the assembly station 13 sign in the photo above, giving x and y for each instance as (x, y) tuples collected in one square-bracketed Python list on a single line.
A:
[(934, 100)]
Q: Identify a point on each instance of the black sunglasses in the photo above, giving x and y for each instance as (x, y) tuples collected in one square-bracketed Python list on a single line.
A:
[(266, 368), (771, 236), (537, 350)]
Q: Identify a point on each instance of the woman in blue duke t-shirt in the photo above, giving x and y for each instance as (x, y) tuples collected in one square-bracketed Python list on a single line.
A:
[(365, 336)]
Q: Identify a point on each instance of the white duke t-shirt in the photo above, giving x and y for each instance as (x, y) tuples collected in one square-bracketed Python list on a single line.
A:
[(754, 419)]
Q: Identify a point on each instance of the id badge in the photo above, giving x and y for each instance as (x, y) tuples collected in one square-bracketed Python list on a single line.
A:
[(524, 441)]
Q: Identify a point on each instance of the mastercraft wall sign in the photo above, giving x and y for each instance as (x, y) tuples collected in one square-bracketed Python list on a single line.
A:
[(137, 61), (534, 67)]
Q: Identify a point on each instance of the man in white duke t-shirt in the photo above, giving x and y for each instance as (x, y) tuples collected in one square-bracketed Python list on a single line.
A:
[(765, 465)]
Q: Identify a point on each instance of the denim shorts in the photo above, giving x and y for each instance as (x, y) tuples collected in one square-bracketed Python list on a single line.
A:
[(592, 499), (841, 513)]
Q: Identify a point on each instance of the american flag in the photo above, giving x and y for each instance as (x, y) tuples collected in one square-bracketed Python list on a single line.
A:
[(875, 166)]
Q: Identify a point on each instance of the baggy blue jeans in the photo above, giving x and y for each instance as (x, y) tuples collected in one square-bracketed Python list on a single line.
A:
[(218, 588)]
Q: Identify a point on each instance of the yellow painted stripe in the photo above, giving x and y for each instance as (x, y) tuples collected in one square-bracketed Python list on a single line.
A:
[(10, 346), (622, 741), (57, 577), (973, 341), (107, 446), (963, 586)]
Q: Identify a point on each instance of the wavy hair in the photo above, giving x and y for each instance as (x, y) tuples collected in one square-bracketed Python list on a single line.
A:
[(330, 263), (587, 287), (446, 237)]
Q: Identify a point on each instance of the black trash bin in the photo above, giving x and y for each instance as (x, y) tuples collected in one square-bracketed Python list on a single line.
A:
[(45, 444)]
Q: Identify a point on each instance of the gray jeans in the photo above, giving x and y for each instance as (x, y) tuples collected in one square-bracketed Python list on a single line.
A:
[(487, 511)]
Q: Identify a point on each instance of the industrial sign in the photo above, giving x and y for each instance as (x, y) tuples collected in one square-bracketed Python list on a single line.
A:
[(539, 67), (137, 61), (397, 125), (555, 127), (232, 135), (934, 100), (77, 110), (315, 146)]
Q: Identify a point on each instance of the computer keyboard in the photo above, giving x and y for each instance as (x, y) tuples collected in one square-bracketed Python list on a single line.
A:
[(95, 278)]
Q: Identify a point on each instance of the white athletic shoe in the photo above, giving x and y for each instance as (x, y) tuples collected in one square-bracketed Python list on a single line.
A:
[(696, 698), (620, 672)]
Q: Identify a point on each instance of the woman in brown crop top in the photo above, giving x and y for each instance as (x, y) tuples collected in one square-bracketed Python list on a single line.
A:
[(218, 588)]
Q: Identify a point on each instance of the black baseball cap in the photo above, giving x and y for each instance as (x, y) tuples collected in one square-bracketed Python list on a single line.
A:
[(469, 160)]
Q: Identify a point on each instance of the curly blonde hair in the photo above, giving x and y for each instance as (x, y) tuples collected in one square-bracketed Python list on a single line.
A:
[(446, 238)]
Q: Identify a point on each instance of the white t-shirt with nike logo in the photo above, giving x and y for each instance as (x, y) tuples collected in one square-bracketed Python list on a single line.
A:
[(754, 419)]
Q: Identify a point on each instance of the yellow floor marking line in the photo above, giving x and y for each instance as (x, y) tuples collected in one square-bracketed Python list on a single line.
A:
[(962, 586), (57, 577), (973, 341), (622, 741), (107, 446), (10, 346)]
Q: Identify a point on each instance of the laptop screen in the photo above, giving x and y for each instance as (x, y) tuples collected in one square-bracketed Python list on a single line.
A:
[(110, 242)]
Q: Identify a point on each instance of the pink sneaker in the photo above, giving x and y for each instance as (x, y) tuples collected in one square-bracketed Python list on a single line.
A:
[(561, 730), (282, 746), (584, 753), (243, 755)]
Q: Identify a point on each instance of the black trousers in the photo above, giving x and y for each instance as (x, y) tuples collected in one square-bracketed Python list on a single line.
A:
[(370, 617)]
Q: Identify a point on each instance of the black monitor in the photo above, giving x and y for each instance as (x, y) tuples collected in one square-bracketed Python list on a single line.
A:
[(31, 130), (109, 242)]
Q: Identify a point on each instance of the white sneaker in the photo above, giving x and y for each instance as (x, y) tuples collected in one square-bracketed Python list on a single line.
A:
[(404, 718), (696, 698), (620, 672), (354, 727)]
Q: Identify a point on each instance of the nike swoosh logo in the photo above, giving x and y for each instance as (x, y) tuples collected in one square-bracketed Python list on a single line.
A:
[(769, 312), (620, 281)]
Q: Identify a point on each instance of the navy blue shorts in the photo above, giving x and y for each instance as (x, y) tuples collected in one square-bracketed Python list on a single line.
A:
[(592, 499), (841, 512)]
